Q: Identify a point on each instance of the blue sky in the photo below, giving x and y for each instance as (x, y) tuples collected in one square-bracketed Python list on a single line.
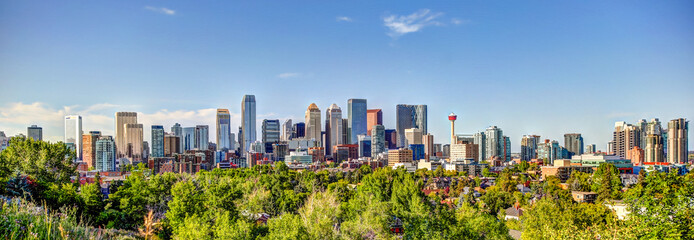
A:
[(529, 67)]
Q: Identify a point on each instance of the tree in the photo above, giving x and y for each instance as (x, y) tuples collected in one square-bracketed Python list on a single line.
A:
[(579, 181), (606, 182), (43, 161), (496, 199), (287, 226), (319, 215), (93, 199)]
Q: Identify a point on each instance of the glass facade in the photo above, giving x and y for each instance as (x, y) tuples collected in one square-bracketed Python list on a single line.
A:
[(356, 115), (157, 141)]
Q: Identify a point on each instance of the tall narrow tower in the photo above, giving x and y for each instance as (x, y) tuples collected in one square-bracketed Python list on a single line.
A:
[(452, 117)]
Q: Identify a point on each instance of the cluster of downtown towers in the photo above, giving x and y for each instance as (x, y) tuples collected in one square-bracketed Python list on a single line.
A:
[(362, 125)]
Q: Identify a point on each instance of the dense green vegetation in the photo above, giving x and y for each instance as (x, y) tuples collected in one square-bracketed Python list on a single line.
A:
[(363, 204)]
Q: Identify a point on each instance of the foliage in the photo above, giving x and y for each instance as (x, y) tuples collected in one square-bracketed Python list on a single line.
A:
[(606, 182), (43, 161)]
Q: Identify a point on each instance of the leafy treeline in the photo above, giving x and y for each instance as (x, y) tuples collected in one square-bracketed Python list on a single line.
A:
[(266, 202)]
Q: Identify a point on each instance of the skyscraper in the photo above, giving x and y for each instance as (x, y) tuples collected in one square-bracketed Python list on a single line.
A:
[(333, 126), (409, 116), (189, 139), (286, 131), (123, 118), (428, 141), (157, 141), (624, 137), (298, 130), (507, 149), (171, 145), (106, 154), (548, 151), (223, 129), (573, 143), (481, 140), (89, 148), (591, 148), (313, 123), (356, 115), (494, 143), (413, 136), (35, 132), (248, 122), (643, 126), (177, 130), (391, 137), (364, 145), (373, 117), (654, 148), (73, 133), (677, 142), (202, 137), (529, 147), (378, 140), (133, 141), (271, 133)]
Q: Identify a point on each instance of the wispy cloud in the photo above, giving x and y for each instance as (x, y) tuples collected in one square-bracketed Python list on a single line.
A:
[(343, 19), (288, 75), (457, 21), (399, 25), (161, 10)]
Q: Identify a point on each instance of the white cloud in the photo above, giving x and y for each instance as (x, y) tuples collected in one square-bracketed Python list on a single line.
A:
[(288, 75), (16, 117), (343, 19), (457, 21), (401, 25), (161, 10)]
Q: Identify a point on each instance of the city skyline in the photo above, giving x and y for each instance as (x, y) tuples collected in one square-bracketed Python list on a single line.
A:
[(555, 73)]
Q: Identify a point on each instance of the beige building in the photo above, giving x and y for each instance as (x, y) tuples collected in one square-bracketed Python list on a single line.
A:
[(654, 148), (625, 137), (333, 126), (413, 135), (171, 145), (401, 155), (123, 118), (677, 148), (133, 141), (464, 151), (313, 123)]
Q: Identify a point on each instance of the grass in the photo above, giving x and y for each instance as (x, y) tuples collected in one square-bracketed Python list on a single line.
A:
[(20, 219)]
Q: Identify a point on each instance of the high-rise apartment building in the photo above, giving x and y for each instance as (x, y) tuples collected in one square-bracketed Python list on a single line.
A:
[(481, 140), (106, 154), (413, 136), (636, 155), (654, 148), (373, 117), (548, 152), (313, 123), (378, 140), (428, 141), (494, 143), (507, 149), (73, 133), (529, 147), (677, 141), (171, 145), (35, 132), (133, 141), (625, 137), (573, 142), (643, 126), (271, 133), (409, 116), (286, 131), (247, 123), (123, 118), (333, 126), (177, 130), (157, 141), (356, 116), (89, 148), (223, 129), (189, 139), (202, 137), (591, 148)]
